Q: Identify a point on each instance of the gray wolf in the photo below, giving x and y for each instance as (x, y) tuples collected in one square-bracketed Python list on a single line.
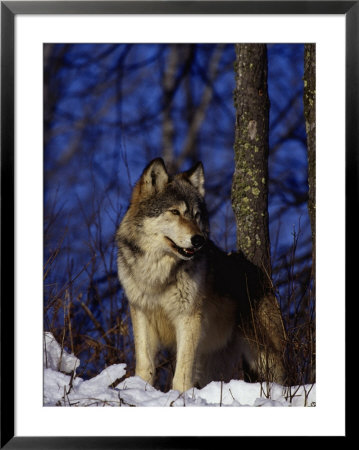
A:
[(184, 292)]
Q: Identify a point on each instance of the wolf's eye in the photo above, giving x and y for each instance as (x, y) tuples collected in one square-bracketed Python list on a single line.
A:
[(175, 212)]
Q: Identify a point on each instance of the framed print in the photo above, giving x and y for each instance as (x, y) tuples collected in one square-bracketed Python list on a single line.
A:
[(127, 128)]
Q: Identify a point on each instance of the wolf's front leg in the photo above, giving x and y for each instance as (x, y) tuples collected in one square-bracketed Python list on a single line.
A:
[(146, 345), (187, 335)]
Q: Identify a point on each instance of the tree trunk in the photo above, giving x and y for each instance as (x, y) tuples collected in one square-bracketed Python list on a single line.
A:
[(169, 81), (250, 181), (309, 99), (250, 203), (310, 125)]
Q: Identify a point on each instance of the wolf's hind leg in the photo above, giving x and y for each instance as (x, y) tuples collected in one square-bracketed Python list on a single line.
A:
[(146, 345)]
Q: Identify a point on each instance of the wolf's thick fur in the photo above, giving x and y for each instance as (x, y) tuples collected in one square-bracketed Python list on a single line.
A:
[(185, 293)]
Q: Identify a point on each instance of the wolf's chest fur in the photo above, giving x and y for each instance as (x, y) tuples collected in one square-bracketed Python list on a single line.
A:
[(171, 285)]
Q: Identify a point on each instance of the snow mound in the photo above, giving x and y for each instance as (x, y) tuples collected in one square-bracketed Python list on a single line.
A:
[(57, 359), (61, 389), (64, 390)]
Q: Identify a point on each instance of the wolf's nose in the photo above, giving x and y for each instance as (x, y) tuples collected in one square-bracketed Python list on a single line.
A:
[(197, 240)]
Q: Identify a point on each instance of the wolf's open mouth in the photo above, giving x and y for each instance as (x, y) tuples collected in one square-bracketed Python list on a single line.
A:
[(186, 252)]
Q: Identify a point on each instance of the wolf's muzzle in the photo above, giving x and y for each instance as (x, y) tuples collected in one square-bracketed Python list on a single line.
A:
[(197, 241), (188, 252)]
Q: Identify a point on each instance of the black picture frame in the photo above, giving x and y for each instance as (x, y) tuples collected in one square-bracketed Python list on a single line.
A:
[(9, 9)]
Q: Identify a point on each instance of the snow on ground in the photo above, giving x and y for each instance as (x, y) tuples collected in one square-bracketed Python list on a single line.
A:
[(57, 359), (64, 389)]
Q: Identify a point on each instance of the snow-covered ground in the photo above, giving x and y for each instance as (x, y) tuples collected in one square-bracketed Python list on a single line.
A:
[(61, 389)]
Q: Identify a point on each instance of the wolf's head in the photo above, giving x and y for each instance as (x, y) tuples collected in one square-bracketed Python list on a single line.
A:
[(170, 210)]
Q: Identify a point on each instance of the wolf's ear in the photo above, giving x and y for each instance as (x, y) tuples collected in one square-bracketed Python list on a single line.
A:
[(196, 177), (154, 177)]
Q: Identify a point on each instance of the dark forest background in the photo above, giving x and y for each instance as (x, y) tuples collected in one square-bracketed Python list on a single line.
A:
[(111, 108)]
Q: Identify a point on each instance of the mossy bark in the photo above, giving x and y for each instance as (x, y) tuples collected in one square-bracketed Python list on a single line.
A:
[(250, 204), (309, 99), (250, 180)]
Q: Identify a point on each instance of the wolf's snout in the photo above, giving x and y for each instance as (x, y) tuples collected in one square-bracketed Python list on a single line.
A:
[(197, 240)]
